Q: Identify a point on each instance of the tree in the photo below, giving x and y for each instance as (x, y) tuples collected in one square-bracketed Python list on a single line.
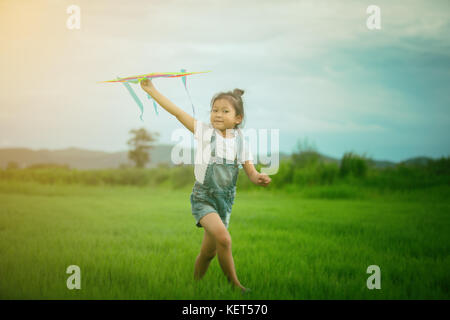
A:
[(141, 145)]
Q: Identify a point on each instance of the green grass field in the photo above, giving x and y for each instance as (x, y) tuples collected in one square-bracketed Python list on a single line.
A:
[(141, 243)]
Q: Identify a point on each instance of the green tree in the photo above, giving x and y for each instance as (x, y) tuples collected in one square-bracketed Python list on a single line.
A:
[(141, 144)]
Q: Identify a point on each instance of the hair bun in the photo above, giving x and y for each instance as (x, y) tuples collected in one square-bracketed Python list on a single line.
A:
[(238, 92)]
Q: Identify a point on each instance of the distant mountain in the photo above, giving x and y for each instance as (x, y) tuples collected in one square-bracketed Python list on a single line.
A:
[(417, 161), (80, 158), (87, 159), (160, 154), (378, 164)]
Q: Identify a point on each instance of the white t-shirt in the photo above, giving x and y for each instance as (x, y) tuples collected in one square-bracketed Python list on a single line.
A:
[(226, 148)]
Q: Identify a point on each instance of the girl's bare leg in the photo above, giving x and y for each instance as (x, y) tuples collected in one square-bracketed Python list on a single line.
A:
[(207, 253), (215, 228)]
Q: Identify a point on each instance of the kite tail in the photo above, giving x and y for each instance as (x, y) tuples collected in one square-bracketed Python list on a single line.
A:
[(154, 103), (139, 103), (185, 87), (135, 97)]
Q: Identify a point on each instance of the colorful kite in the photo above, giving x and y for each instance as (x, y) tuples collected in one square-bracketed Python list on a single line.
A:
[(138, 79)]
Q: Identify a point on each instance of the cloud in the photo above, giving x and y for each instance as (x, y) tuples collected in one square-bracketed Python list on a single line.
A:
[(314, 61)]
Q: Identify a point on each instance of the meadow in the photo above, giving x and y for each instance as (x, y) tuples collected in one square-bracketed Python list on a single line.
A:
[(140, 242)]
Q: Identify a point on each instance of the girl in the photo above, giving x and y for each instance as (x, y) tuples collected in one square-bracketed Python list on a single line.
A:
[(214, 190)]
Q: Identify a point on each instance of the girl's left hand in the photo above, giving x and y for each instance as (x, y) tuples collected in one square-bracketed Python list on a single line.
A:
[(263, 179)]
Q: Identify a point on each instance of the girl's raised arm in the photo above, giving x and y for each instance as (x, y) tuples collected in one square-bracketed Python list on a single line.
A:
[(180, 114)]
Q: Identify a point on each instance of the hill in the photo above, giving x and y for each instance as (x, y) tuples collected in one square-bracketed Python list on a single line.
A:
[(93, 159)]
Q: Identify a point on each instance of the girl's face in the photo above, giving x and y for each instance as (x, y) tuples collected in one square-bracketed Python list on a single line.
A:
[(223, 115)]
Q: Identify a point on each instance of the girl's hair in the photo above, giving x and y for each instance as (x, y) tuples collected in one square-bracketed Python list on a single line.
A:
[(235, 98)]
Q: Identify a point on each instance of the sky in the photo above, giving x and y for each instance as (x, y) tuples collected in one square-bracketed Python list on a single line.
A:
[(311, 69)]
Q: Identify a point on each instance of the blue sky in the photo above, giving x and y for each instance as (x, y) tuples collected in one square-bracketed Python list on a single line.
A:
[(309, 68)]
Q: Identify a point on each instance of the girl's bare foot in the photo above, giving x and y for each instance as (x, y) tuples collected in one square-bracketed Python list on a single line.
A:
[(242, 288), (245, 290)]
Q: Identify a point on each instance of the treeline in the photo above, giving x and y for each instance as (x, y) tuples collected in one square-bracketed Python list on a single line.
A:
[(302, 169), (307, 169)]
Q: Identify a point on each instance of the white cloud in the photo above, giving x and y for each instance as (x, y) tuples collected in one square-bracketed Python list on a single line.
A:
[(270, 48)]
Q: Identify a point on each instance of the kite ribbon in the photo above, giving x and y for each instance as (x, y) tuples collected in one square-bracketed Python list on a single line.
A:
[(154, 103), (139, 103), (184, 82), (135, 97)]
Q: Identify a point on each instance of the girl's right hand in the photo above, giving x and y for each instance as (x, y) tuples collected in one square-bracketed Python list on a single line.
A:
[(147, 84), (262, 179)]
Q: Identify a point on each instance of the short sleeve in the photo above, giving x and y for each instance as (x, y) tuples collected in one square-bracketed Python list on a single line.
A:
[(247, 155), (202, 130)]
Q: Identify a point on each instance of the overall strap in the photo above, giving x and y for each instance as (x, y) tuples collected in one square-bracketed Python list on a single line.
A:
[(213, 143), (239, 137), (240, 145)]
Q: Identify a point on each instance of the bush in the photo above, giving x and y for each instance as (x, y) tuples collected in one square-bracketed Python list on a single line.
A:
[(439, 167), (160, 175), (48, 166), (181, 176), (353, 164), (12, 165), (307, 173), (306, 155), (284, 175), (305, 176), (328, 173)]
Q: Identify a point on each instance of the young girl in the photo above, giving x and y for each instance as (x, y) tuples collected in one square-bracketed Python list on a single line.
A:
[(214, 190)]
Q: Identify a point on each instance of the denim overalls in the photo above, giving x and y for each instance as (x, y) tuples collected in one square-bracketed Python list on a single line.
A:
[(218, 190)]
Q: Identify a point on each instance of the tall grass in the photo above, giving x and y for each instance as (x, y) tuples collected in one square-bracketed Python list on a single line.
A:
[(140, 242), (310, 235)]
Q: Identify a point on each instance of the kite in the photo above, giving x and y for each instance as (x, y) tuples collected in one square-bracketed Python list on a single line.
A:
[(139, 78)]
